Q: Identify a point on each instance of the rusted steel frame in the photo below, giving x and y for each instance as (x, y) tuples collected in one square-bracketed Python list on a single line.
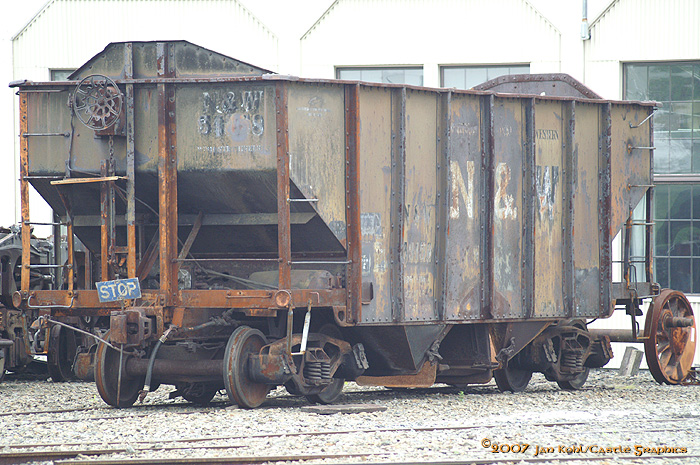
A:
[(626, 251), (104, 227), (85, 300), (58, 273), (167, 198), (24, 192), (444, 138), (352, 201), (486, 202), (69, 241), (149, 257), (605, 208), (167, 178), (25, 86), (71, 255), (649, 229), (130, 164), (568, 176), (190, 240), (284, 230), (258, 298), (527, 279), (398, 201)]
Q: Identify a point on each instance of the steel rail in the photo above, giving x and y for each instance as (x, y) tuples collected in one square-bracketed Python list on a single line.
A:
[(65, 456), (16, 458)]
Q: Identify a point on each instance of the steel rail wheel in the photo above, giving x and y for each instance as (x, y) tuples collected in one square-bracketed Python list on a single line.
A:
[(107, 368), (330, 393), (669, 330), (577, 382), (197, 393), (580, 379), (61, 353), (512, 379), (4, 353), (241, 389)]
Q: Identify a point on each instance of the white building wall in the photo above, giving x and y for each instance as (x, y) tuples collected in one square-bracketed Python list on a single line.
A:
[(429, 33), (67, 33), (639, 30)]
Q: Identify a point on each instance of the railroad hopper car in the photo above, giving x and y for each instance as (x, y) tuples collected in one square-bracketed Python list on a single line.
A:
[(253, 230)]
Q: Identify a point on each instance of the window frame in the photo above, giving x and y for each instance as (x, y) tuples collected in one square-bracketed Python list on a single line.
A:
[(361, 68), (472, 66)]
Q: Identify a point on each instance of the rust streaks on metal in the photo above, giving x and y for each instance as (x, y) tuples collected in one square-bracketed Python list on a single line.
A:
[(284, 239), (130, 164), (24, 192), (352, 200), (605, 208)]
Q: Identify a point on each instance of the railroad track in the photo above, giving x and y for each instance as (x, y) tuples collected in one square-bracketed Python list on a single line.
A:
[(66, 456), (75, 453)]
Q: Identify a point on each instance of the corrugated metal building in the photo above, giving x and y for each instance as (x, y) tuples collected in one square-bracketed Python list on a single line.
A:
[(637, 49)]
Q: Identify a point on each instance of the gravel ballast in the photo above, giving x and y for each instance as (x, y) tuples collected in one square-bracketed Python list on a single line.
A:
[(612, 418)]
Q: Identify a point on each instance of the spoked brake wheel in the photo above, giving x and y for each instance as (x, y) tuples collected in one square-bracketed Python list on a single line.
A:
[(670, 335)]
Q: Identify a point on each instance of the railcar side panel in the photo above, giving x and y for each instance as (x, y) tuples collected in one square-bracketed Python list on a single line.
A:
[(550, 188), (466, 214), (420, 209), (508, 259), (375, 200), (585, 237)]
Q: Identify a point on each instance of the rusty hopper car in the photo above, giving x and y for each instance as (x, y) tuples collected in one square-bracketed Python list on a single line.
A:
[(266, 230)]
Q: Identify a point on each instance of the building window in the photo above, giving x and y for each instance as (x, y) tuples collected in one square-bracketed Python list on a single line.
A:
[(677, 141), (466, 77), (394, 75), (677, 236), (677, 122), (61, 74)]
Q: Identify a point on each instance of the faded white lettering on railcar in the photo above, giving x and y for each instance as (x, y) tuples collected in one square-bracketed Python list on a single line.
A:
[(461, 189), (504, 204), (546, 180), (236, 114)]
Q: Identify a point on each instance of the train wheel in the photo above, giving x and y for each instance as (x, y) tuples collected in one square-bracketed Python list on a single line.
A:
[(3, 362), (512, 379), (577, 382), (107, 368), (240, 388), (61, 353), (669, 346), (330, 393), (197, 393)]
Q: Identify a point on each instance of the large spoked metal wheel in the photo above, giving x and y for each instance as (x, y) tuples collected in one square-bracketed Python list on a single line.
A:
[(511, 378), (241, 389), (97, 102), (669, 329), (61, 353), (330, 393), (113, 390)]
